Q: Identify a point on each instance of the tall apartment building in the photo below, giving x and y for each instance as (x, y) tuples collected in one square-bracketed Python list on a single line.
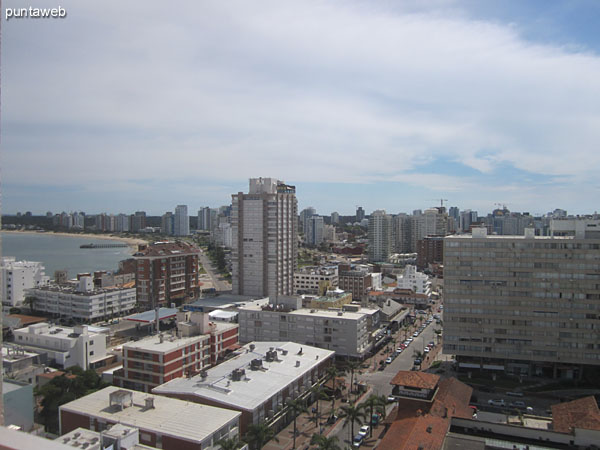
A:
[(315, 280), (264, 244), (335, 217), (402, 233), (360, 214), (380, 236), (138, 221), (306, 214), (314, 232), (167, 223), (433, 222), (181, 221), (430, 250), (523, 304), (122, 223), (166, 272), (17, 277), (204, 219)]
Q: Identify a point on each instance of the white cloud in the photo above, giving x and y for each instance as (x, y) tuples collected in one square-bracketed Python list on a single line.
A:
[(309, 91)]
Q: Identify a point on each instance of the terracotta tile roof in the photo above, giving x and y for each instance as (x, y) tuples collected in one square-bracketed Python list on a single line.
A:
[(424, 432), (421, 380), (57, 373), (377, 293), (453, 399), (581, 413), (165, 249), (27, 320)]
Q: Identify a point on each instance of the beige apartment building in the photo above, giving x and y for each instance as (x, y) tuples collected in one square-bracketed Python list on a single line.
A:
[(523, 304)]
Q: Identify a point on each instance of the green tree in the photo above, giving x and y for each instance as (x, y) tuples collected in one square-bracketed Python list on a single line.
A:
[(325, 443), (258, 434), (352, 366), (332, 373), (371, 404), (352, 413), (296, 407), (319, 393), (230, 444), (30, 301)]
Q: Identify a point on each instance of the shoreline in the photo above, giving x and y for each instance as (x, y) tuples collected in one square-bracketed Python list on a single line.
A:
[(131, 242)]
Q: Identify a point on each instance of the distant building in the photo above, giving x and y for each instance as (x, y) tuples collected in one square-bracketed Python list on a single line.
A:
[(313, 280), (265, 243), (257, 382), (356, 280), (163, 422), (167, 224), (138, 221), (19, 405), (430, 250), (380, 236), (17, 277), (65, 346), (314, 231), (360, 214), (335, 217), (84, 302), (181, 221), (306, 214), (204, 222), (418, 282)]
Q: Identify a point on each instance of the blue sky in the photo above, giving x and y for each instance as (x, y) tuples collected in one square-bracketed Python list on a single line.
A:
[(390, 105)]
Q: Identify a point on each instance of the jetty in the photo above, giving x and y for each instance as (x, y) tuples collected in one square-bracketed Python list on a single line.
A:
[(102, 245)]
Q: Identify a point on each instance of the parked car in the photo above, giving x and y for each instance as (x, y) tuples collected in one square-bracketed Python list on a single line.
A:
[(496, 402), (398, 350), (331, 420), (357, 441), (417, 362), (518, 404), (389, 360), (391, 399), (375, 419), (426, 350), (364, 430), (415, 334)]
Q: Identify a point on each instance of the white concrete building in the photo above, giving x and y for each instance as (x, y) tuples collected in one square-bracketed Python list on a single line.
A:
[(67, 346), (308, 280), (122, 222), (257, 382), (418, 282), (17, 277), (83, 302), (181, 221), (344, 332), (265, 246)]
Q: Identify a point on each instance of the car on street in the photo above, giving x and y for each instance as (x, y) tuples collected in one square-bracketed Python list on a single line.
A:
[(496, 402), (391, 399), (409, 340), (364, 430), (389, 360), (398, 350), (426, 350), (358, 440), (375, 418), (416, 334), (417, 362)]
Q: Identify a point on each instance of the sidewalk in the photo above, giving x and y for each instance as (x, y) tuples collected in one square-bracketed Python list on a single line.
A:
[(306, 428)]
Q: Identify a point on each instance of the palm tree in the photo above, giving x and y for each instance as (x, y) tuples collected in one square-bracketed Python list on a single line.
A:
[(30, 300), (333, 373), (352, 413), (230, 444), (352, 366), (296, 407), (259, 434), (320, 394), (325, 443), (371, 403)]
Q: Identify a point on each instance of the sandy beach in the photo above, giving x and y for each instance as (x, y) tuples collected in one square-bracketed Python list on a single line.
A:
[(132, 242)]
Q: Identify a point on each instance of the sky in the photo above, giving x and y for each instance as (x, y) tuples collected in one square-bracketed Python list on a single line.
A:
[(144, 105)]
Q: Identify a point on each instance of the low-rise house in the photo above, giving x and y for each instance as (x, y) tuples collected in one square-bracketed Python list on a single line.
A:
[(65, 346)]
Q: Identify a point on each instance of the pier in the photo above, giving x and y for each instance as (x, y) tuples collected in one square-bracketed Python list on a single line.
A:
[(102, 245)]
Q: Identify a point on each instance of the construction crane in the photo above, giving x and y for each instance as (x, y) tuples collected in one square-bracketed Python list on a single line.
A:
[(442, 200)]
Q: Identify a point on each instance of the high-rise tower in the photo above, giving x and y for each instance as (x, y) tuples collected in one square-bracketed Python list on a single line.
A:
[(265, 246)]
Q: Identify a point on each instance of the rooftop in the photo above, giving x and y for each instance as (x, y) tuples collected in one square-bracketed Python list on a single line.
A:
[(581, 413), (416, 379), (178, 418), (44, 329), (163, 249), (150, 316), (256, 385), (169, 343), (74, 289)]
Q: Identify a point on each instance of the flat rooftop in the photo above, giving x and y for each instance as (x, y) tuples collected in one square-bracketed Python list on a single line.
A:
[(225, 301), (257, 385), (150, 316), (169, 343), (172, 417)]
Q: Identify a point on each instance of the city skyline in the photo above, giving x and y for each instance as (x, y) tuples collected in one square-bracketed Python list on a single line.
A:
[(386, 106)]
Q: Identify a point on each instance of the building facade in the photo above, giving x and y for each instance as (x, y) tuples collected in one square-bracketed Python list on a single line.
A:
[(356, 280), (380, 236), (17, 277), (84, 302), (264, 238), (523, 304), (314, 280), (155, 360), (181, 221), (314, 233), (166, 272)]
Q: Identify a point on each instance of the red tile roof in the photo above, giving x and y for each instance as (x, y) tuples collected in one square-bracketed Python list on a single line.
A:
[(453, 399), (166, 249), (420, 380), (582, 413), (424, 432), (27, 320)]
